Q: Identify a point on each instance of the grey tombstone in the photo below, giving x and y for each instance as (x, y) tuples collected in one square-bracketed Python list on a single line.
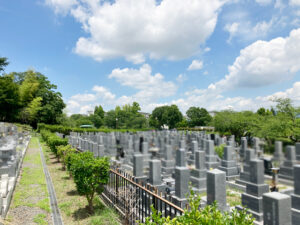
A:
[(243, 148), (101, 151), (155, 174), (198, 175), (245, 174), (216, 188), (296, 197), (298, 151), (194, 148), (286, 170), (138, 167), (252, 199), (228, 164), (277, 209), (278, 154), (182, 176), (210, 157), (168, 162)]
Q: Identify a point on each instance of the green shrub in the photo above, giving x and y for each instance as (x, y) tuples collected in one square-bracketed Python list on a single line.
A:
[(220, 150), (90, 175), (52, 140), (207, 216), (63, 151)]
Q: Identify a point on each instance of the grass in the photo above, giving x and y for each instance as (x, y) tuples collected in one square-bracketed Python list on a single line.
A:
[(40, 219), (233, 198), (71, 204)]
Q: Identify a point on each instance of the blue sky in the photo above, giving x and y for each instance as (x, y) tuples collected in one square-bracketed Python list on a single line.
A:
[(217, 54)]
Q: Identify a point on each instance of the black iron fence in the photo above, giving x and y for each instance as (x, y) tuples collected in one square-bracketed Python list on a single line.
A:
[(133, 199)]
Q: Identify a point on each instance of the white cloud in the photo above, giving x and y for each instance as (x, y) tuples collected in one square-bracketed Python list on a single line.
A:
[(103, 93), (295, 2), (264, 62), (83, 97), (150, 88), (247, 31), (263, 2), (61, 6), (181, 78), (171, 29), (196, 65)]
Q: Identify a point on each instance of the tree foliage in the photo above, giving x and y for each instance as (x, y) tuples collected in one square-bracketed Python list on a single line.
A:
[(198, 117), (165, 115)]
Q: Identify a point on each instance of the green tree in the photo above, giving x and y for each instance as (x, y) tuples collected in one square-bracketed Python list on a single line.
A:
[(9, 99), (198, 116), (3, 63), (99, 111), (31, 111), (165, 115), (90, 175)]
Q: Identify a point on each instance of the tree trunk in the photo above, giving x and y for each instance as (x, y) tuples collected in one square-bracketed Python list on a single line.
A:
[(90, 204)]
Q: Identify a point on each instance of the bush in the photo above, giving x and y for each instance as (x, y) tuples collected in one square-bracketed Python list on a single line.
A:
[(52, 140), (220, 150), (90, 175), (63, 151), (206, 216)]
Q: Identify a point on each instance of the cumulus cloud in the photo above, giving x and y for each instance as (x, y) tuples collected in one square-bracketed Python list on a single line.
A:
[(171, 29), (263, 2), (149, 89), (196, 65), (295, 2), (61, 6), (248, 31), (264, 62)]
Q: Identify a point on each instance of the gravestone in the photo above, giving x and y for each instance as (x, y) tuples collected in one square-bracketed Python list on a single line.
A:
[(286, 170), (210, 155), (138, 167), (216, 188), (278, 154), (255, 189), (194, 148), (296, 197), (155, 178), (198, 175), (168, 162), (277, 209), (298, 151), (245, 174), (243, 148), (228, 164), (182, 176)]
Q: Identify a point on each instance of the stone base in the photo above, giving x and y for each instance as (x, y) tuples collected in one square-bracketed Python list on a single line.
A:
[(213, 165), (180, 202), (142, 179), (286, 173), (296, 201), (241, 182), (253, 203), (198, 183), (230, 171), (160, 188), (257, 189), (167, 170), (295, 217)]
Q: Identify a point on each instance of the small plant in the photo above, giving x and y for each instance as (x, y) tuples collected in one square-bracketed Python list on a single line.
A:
[(206, 216), (220, 150)]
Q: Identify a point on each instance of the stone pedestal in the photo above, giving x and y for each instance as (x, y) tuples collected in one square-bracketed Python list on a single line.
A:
[(138, 167), (277, 209), (245, 174), (168, 162), (278, 154)]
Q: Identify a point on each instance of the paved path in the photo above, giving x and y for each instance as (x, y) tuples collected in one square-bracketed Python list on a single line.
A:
[(56, 217)]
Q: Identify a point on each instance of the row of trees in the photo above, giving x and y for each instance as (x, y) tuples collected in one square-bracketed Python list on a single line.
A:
[(28, 97)]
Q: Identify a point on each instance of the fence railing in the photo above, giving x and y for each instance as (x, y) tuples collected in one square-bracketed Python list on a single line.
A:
[(134, 199)]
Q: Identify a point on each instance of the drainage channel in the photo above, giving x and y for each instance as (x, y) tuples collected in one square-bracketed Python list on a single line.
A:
[(56, 217)]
